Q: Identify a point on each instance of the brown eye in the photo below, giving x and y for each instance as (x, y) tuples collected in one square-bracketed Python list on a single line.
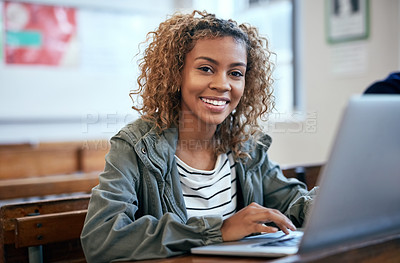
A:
[(236, 74), (205, 69)]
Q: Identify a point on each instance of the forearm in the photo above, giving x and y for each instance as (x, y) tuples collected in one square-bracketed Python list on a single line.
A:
[(289, 196), (300, 207), (117, 236)]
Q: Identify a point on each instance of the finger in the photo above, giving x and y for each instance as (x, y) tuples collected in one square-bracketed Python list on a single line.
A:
[(275, 216), (272, 215), (267, 229), (284, 221), (284, 229)]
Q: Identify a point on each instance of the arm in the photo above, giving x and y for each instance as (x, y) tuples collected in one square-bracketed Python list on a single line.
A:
[(264, 183), (281, 199), (288, 195), (112, 230)]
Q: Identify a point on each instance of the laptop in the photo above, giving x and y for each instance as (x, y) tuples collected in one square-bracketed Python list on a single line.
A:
[(359, 193)]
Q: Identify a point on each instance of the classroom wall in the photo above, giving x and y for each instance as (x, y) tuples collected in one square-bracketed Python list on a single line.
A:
[(326, 90)]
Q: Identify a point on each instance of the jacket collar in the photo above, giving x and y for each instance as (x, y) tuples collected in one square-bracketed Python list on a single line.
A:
[(156, 150)]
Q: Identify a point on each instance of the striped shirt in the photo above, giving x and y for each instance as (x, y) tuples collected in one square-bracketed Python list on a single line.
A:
[(209, 192)]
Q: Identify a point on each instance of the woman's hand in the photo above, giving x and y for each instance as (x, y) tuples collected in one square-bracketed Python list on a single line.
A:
[(251, 220)]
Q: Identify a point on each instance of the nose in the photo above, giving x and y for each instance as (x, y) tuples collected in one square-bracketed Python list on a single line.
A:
[(220, 82)]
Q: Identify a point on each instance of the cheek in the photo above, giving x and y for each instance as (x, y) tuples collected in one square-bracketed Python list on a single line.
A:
[(238, 93), (191, 84), (236, 100)]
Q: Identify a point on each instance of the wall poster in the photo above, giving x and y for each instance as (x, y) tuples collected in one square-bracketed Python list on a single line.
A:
[(39, 34), (347, 20)]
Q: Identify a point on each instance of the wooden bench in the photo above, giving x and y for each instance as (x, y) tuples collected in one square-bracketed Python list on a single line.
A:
[(47, 231), (28, 170)]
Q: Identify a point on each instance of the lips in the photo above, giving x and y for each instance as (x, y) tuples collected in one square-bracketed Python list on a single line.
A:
[(215, 102)]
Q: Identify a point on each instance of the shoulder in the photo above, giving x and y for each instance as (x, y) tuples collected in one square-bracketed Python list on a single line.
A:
[(257, 149), (133, 132), (390, 85), (137, 129), (261, 142), (264, 141), (140, 131)]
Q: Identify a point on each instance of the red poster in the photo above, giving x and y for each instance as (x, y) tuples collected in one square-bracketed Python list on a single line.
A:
[(39, 34)]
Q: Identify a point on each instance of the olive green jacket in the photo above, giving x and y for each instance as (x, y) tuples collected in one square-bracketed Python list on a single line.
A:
[(138, 212)]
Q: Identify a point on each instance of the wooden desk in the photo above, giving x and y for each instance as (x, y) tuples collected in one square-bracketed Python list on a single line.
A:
[(378, 250)]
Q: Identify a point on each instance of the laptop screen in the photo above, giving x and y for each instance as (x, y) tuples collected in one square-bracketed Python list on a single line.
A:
[(359, 196)]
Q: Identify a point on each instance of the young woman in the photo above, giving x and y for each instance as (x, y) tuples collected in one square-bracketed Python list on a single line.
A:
[(194, 169)]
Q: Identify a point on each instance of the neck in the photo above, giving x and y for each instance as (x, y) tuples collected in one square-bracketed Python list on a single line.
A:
[(200, 137), (196, 145)]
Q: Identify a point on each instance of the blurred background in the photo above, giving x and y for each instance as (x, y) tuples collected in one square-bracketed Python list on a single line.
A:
[(67, 66)]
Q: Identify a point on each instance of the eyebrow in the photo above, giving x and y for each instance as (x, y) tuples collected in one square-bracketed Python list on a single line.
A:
[(235, 64)]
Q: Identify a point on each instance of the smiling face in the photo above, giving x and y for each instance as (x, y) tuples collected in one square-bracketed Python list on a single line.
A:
[(213, 80)]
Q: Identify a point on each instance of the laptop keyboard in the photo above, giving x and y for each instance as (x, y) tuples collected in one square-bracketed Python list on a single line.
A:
[(282, 242)]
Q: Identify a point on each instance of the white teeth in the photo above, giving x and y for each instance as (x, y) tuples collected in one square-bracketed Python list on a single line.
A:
[(214, 102)]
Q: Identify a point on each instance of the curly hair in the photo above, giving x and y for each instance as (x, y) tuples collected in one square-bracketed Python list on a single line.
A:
[(160, 78)]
